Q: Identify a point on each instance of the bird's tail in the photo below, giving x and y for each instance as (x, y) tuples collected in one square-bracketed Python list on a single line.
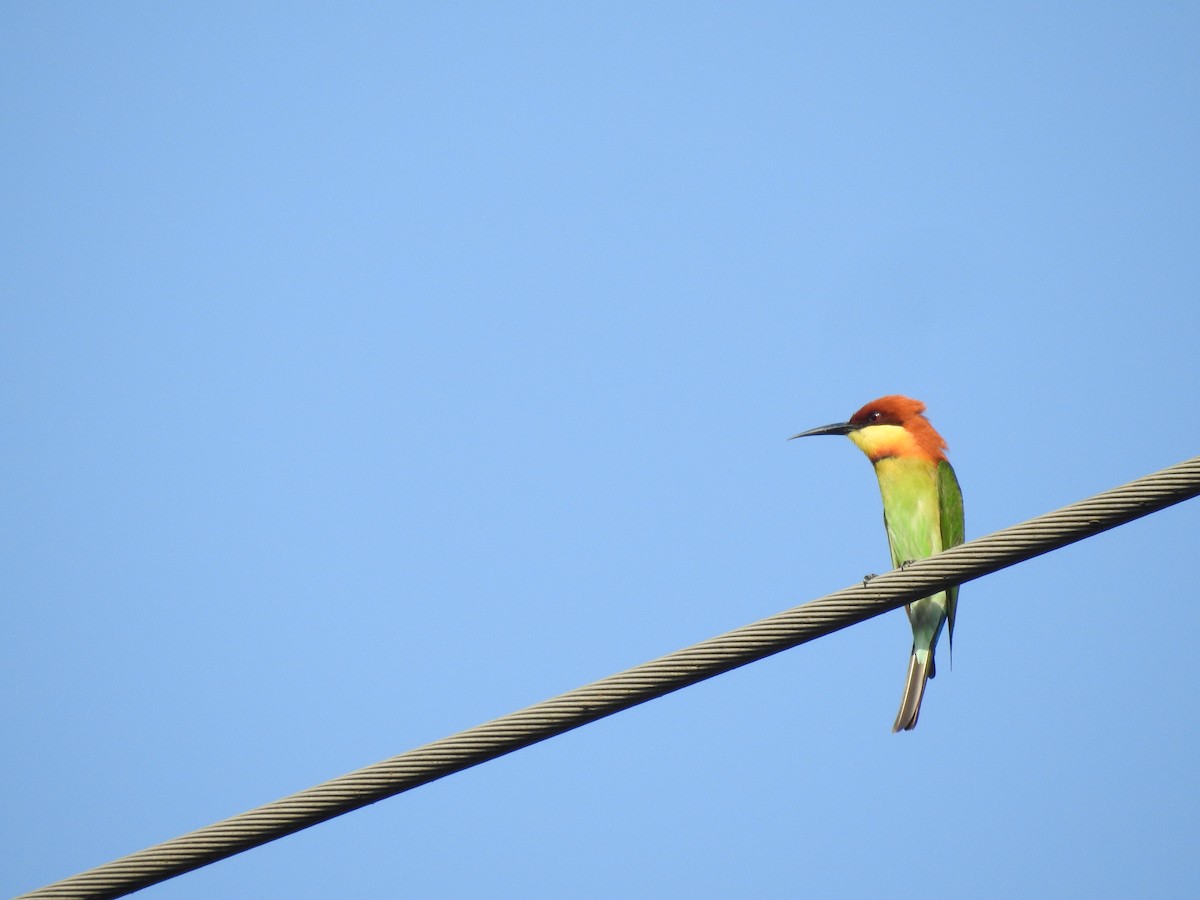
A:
[(920, 670)]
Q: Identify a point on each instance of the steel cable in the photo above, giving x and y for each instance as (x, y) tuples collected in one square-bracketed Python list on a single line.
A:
[(633, 686)]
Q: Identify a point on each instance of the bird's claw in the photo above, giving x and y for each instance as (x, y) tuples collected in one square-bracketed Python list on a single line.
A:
[(867, 578), (907, 563)]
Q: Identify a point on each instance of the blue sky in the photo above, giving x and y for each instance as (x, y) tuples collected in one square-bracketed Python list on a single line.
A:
[(372, 371)]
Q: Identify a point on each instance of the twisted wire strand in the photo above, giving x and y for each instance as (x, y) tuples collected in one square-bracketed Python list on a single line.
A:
[(633, 686)]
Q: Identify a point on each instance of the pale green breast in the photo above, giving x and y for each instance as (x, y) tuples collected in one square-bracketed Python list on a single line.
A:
[(911, 509)]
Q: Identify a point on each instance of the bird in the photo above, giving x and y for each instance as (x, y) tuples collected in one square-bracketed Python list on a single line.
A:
[(923, 515)]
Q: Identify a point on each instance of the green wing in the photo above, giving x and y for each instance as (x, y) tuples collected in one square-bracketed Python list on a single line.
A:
[(951, 506)]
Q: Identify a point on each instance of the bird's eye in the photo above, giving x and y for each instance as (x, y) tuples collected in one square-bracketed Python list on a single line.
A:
[(875, 416)]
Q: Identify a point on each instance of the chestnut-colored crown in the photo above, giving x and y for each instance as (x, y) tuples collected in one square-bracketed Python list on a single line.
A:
[(906, 413)]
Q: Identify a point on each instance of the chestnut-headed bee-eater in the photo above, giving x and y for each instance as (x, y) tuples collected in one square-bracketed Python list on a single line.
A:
[(922, 512)]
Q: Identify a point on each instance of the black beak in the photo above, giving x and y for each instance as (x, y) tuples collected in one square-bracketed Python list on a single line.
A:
[(836, 428)]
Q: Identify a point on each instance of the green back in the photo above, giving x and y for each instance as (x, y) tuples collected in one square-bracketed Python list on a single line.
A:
[(951, 504)]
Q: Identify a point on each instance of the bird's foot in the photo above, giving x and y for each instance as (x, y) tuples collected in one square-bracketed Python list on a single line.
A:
[(867, 578), (907, 563)]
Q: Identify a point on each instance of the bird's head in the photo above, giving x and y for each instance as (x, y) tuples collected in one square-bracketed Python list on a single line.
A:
[(890, 426)]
